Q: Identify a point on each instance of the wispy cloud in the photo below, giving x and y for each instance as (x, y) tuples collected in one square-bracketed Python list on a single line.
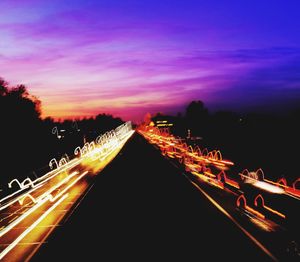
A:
[(80, 57)]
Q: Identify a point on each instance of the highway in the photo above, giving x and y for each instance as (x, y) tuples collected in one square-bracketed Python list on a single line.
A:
[(266, 211), (144, 207), (36, 208)]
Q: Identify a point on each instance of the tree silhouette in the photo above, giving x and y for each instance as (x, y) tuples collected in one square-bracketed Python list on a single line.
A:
[(3, 87), (196, 117), (20, 124), (27, 142)]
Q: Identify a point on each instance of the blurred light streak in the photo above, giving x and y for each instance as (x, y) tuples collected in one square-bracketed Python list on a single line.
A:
[(110, 141), (209, 180), (267, 187), (255, 212), (262, 201), (122, 133), (17, 199), (275, 211), (31, 227), (219, 207), (68, 187), (261, 224), (40, 201), (232, 183), (193, 159), (241, 202), (47, 194), (22, 217)]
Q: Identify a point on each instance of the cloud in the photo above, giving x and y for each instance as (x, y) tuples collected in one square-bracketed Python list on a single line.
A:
[(80, 59)]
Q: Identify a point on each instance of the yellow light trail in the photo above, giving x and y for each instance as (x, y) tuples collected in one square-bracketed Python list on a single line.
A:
[(255, 212), (68, 187), (39, 202), (68, 165), (48, 192), (18, 198), (76, 162), (108, 144), (31, 227), (274, 211)]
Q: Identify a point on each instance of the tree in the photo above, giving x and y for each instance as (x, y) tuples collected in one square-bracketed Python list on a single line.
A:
[(3, 87), (196, 110), (196, 117), (20, 128)]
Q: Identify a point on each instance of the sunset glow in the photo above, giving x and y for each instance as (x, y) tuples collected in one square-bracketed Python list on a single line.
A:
[(128, 58)]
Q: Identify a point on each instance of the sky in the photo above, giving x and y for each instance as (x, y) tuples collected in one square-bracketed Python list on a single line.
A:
[(127, 58)]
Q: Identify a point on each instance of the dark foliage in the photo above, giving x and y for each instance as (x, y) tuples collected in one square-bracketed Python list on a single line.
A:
[(27, 140)]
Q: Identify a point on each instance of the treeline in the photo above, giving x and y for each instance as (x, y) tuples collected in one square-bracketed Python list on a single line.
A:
[(252, 140), (28, 142)]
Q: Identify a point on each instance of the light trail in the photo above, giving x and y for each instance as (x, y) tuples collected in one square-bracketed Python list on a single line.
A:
[(22, 217), (68, 187), (260, 198), (261, 224), (18, 211), (43, 179), (194, 160), (275, 211), (18, 198), (48, 192), (39, 202), (202, 164), (53, 188), (255, 212), (267, 187), (220, 208), (124, 132), (30, 228)]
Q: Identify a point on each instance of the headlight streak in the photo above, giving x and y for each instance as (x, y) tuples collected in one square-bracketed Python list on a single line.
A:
[(40, 201), (18, 198), (43, 180), (104, 146), (48, 192), (64, 165)]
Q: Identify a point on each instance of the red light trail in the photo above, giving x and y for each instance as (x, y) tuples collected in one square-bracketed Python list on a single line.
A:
[(206, 167)]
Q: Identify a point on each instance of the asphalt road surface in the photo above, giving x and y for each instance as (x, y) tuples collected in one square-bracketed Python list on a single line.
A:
[(141, 208)]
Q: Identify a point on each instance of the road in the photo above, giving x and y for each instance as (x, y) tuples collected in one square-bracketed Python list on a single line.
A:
[(266, 211), (30, 214), (141, 207)]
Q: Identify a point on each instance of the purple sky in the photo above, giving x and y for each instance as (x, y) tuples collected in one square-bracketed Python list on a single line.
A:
[(85, 57)]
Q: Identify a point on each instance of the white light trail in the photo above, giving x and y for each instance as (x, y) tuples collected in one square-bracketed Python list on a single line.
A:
[(268, 187), (31, 227)]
